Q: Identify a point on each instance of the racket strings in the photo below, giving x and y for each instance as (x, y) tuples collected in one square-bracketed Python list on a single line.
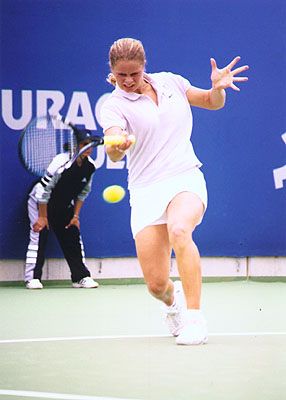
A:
[(42, 141)]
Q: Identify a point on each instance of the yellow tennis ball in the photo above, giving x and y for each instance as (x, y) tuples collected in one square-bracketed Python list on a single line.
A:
[(113, 194)]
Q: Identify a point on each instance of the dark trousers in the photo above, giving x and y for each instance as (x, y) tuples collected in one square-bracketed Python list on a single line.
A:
[(69, 239)]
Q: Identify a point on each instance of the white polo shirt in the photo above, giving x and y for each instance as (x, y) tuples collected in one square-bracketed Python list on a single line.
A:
[(163, 148)]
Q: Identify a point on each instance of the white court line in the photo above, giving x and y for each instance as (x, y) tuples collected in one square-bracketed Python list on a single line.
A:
[(69, 338), (61, 396)]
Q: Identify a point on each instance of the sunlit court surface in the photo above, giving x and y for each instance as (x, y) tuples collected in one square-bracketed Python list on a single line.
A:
[(112, 343)]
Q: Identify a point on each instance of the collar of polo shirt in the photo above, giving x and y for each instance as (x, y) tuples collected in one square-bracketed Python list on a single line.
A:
[(135, 96)]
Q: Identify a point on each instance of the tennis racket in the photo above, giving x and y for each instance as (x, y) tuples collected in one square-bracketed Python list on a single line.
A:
[(45, 137)]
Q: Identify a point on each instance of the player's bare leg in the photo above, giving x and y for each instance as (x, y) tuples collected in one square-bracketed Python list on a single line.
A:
[(184, 213), (153, 250)]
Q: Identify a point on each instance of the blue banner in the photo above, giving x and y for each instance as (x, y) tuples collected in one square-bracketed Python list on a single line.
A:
[(54, 56)]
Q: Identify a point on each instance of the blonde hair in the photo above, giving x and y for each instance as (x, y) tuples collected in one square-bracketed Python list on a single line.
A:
[(125, 49)]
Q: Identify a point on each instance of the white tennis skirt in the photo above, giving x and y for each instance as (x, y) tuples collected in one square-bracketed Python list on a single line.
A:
[(149, 203)]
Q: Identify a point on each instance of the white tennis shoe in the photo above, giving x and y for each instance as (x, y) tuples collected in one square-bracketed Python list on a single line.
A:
[(86, 283), (34, 284), (175, 314), (195, 330)]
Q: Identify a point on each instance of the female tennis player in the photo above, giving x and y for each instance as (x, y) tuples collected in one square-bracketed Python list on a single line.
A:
[(168, 194)]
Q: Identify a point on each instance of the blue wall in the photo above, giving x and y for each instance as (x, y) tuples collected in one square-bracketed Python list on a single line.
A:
[(59, 49)]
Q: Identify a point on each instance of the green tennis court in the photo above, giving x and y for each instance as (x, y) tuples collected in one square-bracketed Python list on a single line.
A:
[(112, 343)]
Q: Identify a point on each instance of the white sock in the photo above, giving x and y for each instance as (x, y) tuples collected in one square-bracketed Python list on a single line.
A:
[(194, 314), (173, 305)]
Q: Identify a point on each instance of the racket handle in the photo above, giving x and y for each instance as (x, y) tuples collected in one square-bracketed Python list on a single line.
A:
[(111, 140)]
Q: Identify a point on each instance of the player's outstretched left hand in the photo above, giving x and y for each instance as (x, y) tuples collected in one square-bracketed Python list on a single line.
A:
[(225, 77)]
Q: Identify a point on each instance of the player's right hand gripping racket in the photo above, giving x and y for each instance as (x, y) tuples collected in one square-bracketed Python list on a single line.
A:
[(45, 137)]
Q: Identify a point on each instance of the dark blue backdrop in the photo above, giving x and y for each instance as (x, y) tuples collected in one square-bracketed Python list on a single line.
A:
[(59, 48)]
